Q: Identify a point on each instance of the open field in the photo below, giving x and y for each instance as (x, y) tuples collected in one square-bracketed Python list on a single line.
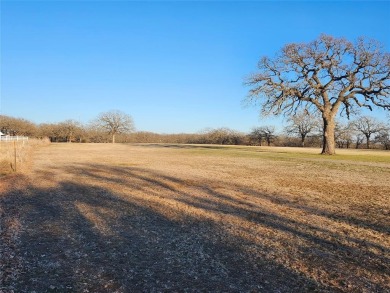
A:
[(185, 218)]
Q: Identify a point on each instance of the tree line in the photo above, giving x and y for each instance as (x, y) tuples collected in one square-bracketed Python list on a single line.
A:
[(302, 129)]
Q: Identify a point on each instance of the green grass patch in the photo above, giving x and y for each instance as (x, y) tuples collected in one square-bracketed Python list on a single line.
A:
[(283, 154)]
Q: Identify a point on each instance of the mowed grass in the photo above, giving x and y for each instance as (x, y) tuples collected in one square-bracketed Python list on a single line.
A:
[(286, 153), (166, 217)]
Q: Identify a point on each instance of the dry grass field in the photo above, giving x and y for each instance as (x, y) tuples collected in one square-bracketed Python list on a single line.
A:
[(16, 155), (9, 151), (191, 218)]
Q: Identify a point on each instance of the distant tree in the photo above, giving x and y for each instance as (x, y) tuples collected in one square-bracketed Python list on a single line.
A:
[(70, 129), (359, 139), (302, 123), (47, 130), (224, 136), (266, 133), (328, 75), (344, 134), (383, 137), (95, 134), (256, 136), (114, 122), (368, 126)]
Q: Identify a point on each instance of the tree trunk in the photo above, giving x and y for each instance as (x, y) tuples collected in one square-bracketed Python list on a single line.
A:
[(113, 138), (368, 141), (328, 142), (303, 140), (358, 143)]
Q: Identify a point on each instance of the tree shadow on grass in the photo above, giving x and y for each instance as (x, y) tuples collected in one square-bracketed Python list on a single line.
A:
[(82, 236), (338, 250)]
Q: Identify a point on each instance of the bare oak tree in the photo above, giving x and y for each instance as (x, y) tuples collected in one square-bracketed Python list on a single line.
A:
[(267, 133), (359, 139), (70, 129), (302, 123), (383, 138), (256, 136), (368, 126), (328, 75), (344, 134), (114, 122)]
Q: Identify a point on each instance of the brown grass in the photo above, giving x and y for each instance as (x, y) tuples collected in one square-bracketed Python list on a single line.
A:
[(156, 218), (16, 156)]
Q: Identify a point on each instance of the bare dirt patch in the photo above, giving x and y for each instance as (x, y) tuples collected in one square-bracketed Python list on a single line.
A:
[(157, 218)]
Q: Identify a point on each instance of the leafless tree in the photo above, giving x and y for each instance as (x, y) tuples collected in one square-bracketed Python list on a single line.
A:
[(267, 133), (256, 136), (359, 139), (330, 75), (223, 136), (302, 123), (344, 134), (383, 137), (50, 130), (70, 129), (114, 122), (368, 126)]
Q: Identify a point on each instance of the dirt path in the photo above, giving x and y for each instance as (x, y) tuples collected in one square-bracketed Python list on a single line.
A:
[(104, 218)]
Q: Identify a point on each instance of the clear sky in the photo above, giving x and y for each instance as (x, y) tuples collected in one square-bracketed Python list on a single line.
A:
[(173, 66)]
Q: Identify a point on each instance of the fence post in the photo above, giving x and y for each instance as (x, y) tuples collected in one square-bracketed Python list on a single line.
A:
[(15, 154)]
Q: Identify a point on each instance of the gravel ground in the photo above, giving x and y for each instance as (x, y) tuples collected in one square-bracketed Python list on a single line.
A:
[(166, 218)]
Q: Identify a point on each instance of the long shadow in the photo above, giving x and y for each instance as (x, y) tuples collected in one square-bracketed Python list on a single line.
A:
[(356, 255), (126, 175), (160, 179), (82, 238), (348, 219), (78, 236)]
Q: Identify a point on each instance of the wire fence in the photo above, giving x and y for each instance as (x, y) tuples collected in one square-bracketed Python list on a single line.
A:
[(13, 152)]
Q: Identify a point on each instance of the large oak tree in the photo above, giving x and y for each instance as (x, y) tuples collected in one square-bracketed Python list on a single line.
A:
[(114, 122), (329, 75)]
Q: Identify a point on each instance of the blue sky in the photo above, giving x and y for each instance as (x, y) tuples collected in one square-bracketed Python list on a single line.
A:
[(173, 66)]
